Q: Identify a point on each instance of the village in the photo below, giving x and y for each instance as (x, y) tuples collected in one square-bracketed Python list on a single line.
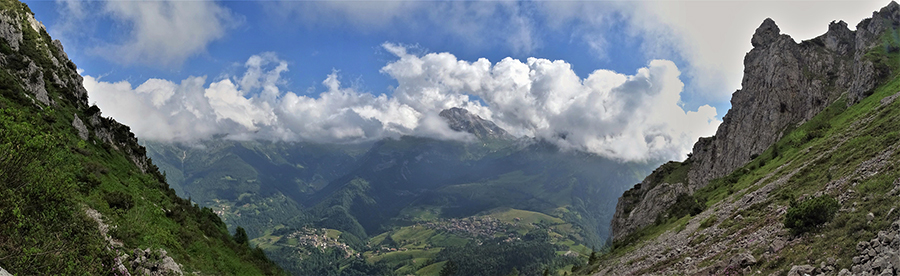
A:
[(473, 226)]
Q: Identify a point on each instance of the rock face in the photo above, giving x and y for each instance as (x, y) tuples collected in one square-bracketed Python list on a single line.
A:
[(460, 119), (785, 83), (644, 212)]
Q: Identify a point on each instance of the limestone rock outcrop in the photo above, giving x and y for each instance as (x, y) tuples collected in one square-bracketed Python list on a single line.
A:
[(785, 83)]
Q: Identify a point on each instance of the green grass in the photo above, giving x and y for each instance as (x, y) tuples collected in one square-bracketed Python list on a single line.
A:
[(431, 270), (524, 217), (418, 246), (49, 177)]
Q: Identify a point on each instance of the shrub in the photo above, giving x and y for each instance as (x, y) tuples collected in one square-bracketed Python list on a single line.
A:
[(809, 214), (685, 204), (119, 200)]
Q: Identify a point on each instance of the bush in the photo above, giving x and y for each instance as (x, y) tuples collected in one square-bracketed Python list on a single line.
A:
[(810, 214), (119, 200), (685, 204)]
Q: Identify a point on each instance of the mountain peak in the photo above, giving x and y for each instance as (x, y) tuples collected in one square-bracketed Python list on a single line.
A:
[(460, 119), (767, 33)]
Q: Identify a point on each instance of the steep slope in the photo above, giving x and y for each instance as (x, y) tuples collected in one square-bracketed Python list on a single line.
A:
[(258, 185), (77, 193), (821, 198), (785, 83)]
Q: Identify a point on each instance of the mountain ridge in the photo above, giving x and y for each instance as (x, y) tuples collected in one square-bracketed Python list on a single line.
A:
[(785, 83), (815, 196), (459, 119)]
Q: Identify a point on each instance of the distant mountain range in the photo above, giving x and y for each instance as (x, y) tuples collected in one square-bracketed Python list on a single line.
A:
[(367, 190)]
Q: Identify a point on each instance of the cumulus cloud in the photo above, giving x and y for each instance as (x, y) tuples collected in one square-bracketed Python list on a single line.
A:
[(630, 117), (711, 37), (627, 117)]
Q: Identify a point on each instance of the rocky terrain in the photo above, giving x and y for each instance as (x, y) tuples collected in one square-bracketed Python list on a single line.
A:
[(785, 83), (796, 132)]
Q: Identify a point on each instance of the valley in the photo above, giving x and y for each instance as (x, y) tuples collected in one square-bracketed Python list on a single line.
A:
[(406, 205), (240, 176)]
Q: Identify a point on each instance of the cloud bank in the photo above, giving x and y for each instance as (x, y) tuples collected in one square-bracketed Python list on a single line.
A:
[(626, 117), (711, 37)]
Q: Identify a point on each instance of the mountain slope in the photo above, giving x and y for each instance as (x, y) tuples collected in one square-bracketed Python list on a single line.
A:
[(820, 199), (785, 83), (77, 193), (431, 196)]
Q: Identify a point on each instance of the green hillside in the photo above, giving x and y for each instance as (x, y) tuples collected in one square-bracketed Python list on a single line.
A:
[(77, 194)]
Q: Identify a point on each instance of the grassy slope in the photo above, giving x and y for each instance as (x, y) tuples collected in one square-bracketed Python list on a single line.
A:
[(821, 151), (48, 177)]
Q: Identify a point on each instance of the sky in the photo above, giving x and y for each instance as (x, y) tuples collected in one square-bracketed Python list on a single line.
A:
[(629, 80)]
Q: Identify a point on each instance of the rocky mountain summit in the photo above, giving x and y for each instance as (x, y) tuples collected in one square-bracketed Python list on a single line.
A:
[(800, 178), (785, 83), (461, 120)]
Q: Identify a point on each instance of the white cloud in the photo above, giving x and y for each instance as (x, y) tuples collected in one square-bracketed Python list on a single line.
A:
[(160, 90), (710, 36), (160, 33), (627, 117), (180, 117), (229, 103)]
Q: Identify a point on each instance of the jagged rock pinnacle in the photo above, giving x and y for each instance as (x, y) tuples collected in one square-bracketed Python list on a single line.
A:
[(766, 33)]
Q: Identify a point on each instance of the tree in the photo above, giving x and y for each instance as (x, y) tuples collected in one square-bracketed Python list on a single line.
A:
[(240, 235), (449, 268)]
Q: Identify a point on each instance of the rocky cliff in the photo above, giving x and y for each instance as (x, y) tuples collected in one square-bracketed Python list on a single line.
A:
[(785, 83)]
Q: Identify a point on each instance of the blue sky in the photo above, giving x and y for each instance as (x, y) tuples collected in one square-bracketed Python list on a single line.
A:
[(347, 71)]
